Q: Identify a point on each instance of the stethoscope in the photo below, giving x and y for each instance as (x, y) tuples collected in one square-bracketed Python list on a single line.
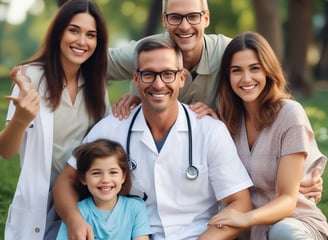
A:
[(191, 172)]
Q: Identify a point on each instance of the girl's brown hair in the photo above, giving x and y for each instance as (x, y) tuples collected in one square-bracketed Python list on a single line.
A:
[(85, 155)]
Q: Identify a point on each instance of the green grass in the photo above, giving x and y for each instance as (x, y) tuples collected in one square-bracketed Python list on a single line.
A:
[(9, 169), (316, 107)]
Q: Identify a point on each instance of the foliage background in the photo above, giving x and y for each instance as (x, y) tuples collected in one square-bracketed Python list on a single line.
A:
[(126, 20)]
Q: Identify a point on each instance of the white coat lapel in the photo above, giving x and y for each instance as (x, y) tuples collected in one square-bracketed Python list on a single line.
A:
[(140, 125)]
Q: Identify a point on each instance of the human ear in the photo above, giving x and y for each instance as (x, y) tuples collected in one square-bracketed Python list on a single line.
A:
[(164, 23), (82, 180), (207, 18), (135, 79)]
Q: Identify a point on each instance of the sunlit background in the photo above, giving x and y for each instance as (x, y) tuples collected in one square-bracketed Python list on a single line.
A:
[(23, 25)]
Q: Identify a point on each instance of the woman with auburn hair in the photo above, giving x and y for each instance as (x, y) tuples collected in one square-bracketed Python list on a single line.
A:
[(69, 72), (274, 140)]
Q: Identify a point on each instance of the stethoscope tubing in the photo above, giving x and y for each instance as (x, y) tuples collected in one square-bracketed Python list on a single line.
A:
[(191, 172)]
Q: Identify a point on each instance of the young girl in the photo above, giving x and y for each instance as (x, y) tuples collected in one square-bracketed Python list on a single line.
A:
[(274, 140), (103, 170), (69, 73)]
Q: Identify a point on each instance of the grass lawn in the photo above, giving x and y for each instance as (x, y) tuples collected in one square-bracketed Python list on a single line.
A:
[(316, 107)]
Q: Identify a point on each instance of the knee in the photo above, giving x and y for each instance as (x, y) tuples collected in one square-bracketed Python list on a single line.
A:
[(280, 231), (287, 229)]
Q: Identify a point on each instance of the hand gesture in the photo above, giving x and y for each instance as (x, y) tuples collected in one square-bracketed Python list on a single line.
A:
[(28, 100)]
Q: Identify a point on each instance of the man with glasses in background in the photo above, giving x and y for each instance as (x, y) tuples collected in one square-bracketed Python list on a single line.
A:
[(183, 166), (185, 22)]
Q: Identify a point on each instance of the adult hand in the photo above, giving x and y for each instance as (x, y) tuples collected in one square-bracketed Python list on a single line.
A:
[(122, 108), (28, 100), (312, 188), (79, 229), (230, 217), (202, 110)]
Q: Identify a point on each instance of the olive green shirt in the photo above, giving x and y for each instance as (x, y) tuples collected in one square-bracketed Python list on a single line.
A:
[(203, 88)]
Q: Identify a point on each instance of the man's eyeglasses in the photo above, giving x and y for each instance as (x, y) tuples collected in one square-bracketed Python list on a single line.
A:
[(176, 19), (167, 76)]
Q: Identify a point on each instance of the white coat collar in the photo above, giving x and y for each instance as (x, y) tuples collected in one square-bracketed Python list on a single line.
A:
[(140, 125)]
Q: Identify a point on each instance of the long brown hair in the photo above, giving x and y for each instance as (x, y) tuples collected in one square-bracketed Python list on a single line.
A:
[(93, 70), (231, 108)]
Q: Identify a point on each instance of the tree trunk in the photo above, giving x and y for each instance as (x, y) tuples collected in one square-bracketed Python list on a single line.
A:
[(61, 2), (322, 67), (300, 32), (154, 18), (268, 24)]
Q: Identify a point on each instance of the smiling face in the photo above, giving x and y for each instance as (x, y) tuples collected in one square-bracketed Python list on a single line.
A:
[(159, 96), (79, 40), (247, 76), (104, 180), (188, 37)]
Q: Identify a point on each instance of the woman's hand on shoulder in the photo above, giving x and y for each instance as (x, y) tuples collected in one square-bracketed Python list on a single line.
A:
[(202, 110), (122, 108)]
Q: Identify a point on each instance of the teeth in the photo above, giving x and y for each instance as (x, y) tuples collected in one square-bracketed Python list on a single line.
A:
[(77, 50), (185, 35), (248, 87), (105, 188), (158, 95)]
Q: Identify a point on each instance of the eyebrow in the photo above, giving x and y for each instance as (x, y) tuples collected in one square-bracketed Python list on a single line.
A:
[(77, 26), (251, 65)]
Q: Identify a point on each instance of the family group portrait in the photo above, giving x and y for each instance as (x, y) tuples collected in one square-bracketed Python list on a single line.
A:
[(163, 120)]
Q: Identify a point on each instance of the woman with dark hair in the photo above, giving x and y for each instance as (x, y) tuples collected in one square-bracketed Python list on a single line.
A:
[(274, 140), (69, 72)]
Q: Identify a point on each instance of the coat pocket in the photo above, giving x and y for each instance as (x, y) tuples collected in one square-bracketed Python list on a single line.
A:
[(24, 224)]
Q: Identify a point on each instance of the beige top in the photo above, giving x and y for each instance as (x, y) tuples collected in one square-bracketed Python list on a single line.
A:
[(71, 123), (290, 133)]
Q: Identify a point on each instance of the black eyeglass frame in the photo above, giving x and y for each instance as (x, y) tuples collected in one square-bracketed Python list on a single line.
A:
[(140, 73), (167, 15)]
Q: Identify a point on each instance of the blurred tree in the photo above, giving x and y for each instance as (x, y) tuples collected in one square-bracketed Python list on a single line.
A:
[(322, 67), (298, 35), (268, 23), (299, 39), (133, 19), (61, 2), (154, 17)]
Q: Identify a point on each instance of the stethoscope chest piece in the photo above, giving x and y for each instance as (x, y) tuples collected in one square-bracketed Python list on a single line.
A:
[(192, 172), (133, 164)]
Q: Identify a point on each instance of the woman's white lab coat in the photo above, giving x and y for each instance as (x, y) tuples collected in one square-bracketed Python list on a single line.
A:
[(28, 210)]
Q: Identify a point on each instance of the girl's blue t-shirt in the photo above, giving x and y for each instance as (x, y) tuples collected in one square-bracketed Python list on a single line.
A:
[(128, 219)]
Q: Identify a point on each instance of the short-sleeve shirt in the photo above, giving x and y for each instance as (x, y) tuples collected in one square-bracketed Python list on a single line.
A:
[(178, 208), (128, 219), (202, 88), (290, 133)]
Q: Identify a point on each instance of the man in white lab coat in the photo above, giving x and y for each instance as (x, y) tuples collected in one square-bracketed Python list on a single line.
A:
[(183, 166)]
